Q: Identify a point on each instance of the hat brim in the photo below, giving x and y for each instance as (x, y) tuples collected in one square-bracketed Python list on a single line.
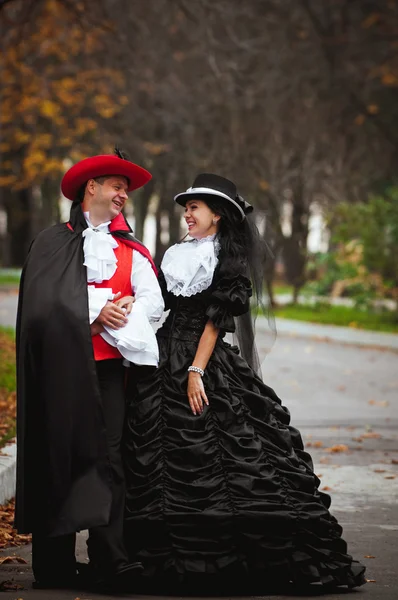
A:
[(98, 166), (183, 198)]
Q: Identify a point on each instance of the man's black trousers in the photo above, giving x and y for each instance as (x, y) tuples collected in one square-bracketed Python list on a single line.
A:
[(53, 558)]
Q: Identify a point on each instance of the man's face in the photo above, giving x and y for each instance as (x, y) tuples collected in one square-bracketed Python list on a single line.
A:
[(108, 198)]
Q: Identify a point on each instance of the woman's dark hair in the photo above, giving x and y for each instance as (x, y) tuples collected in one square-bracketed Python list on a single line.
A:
[(241, 245), (244, 251)]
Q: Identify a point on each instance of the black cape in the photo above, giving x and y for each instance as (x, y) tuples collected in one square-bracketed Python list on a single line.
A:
[(63, 476)]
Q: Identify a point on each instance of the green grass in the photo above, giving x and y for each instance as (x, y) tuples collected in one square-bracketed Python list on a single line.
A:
[(284, 288), (340, 315), (7, 385), (9, 279)]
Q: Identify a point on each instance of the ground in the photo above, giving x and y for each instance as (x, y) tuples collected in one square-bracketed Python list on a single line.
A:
[(344, 400)]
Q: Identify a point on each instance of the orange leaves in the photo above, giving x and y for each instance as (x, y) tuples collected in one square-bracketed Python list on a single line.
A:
[(49, 109), (316, 444), (263, 185), (157, 149), (8, 535), (54, 94), (360, 120), (373, 109), (337, 448), (389, 79), (10, 585), (5, 560), (371, 20), (383, 403)]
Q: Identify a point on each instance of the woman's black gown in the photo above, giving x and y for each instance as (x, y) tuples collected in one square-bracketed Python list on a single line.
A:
[(232, 491)]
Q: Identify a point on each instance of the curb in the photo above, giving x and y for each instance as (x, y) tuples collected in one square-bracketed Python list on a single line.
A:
[(333, 333), (8, 468)]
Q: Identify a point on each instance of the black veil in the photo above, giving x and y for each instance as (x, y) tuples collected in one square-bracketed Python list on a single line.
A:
[(260, 316)]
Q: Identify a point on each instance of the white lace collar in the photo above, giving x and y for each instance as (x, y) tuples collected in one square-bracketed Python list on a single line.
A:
[(98, 248), (188, 267)]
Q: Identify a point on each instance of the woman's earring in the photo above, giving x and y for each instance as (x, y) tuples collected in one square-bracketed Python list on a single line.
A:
[(215, 221)]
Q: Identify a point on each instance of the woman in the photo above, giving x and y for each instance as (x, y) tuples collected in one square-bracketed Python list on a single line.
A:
[(220, 490)]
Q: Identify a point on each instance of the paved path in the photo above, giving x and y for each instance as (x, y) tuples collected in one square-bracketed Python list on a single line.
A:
[(344, 400), (8, 308)]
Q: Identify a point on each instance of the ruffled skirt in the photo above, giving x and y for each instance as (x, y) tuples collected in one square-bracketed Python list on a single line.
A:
[(228, 495)]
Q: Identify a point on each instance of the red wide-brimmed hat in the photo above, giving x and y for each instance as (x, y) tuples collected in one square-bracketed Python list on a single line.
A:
[(98, 166)]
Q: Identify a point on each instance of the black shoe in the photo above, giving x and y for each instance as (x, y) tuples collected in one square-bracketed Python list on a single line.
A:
[(124, 580), (134, 568), (48, 583)]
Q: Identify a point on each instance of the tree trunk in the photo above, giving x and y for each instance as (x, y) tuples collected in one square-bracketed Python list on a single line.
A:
[(295, 246), (141, 203), (50, 212), (19, 225)]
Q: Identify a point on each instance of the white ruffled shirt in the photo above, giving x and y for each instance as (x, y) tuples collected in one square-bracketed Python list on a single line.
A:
[(136, 341), (188, 268)]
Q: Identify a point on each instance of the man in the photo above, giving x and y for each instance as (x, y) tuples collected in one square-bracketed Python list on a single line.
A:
[(77, 327)]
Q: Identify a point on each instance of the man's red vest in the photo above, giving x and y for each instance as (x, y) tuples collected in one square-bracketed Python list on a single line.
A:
[(120, 282)]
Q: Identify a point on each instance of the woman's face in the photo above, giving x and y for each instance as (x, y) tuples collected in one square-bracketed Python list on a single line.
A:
[(200, 219)]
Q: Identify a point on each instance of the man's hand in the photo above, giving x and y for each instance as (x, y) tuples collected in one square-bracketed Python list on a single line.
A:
[(126, 302), (112, 316), (96, 328)]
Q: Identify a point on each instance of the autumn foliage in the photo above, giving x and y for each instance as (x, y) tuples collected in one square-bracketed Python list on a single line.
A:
[(54, 96)]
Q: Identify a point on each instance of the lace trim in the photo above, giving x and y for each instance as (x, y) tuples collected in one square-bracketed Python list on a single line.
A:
[(209, 238), (182, 263), (192, 290)]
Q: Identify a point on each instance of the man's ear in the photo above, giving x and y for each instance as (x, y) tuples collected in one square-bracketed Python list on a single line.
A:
[(90, 186)]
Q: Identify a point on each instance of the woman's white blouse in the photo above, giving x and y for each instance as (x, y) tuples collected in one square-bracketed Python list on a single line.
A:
[(136, 341), (188, 267)]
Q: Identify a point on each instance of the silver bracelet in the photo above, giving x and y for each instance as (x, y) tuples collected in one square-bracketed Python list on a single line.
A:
[(196, 370)]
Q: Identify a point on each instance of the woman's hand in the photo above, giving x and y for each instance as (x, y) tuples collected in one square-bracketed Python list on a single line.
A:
[(196, 393), (125, 303)]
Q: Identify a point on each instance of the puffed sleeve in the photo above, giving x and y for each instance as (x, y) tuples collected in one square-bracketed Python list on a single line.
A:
[(229, 298)]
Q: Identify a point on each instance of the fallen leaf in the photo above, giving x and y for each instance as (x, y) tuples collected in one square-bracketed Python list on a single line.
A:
[(379, 471), (326, 488), (371, 581), (371, 435), (390, 477), (315, 444), (324, 460), (8, 535), (10, 585), (394, 461), (357, 439), (338, 448), (369, 556), (382, 403), (12, 559)]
